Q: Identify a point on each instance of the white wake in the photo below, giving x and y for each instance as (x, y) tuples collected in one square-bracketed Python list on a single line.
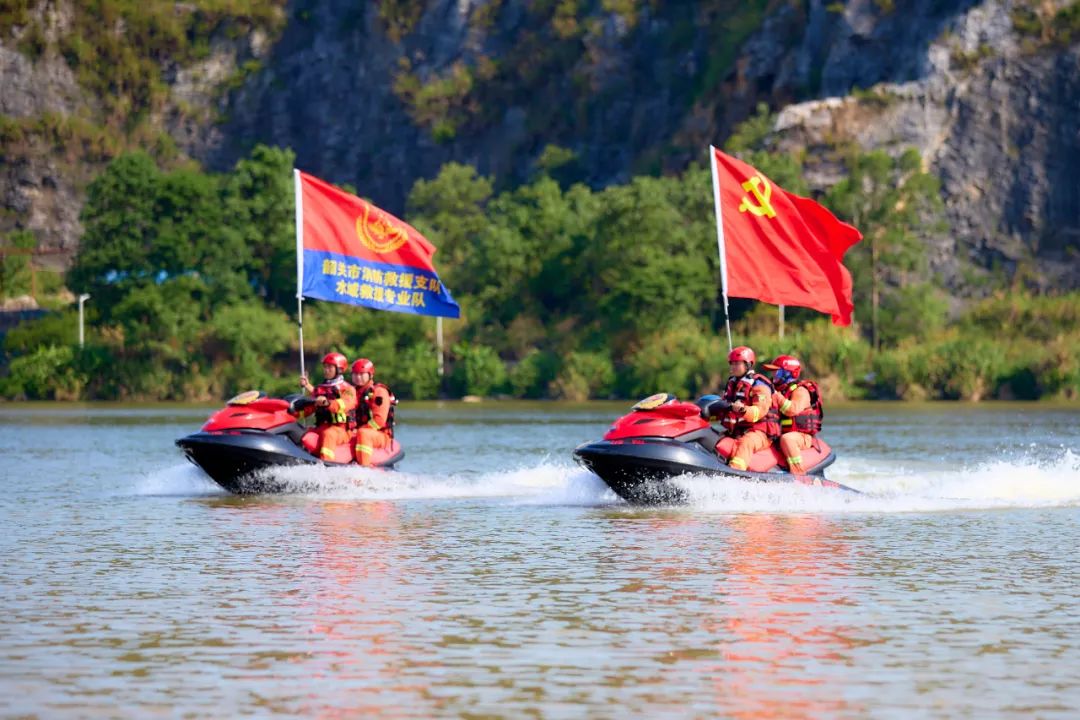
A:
[(1035, 480)]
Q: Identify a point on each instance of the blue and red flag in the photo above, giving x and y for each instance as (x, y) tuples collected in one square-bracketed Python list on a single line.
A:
[(349, 251)]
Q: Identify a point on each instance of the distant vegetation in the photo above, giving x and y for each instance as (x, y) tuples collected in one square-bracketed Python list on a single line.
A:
[(1043, 23), (566, 292)]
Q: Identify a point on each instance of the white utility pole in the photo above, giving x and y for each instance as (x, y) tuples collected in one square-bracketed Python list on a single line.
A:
[(82, 298)]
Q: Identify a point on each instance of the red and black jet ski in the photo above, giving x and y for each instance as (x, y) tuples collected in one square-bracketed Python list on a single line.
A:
[(663, 438), (253, 433)]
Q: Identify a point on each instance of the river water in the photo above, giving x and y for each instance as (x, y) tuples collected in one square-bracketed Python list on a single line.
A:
[(492, 578)]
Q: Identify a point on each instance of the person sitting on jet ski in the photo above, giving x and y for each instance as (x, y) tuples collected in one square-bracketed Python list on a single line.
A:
[(374, 411), (746, 410), (334, 406), (799, 405)]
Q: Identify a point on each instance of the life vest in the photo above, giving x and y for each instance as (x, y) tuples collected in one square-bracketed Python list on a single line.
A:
[(738, 390), (323, 415), (809, 420), (363, 412)]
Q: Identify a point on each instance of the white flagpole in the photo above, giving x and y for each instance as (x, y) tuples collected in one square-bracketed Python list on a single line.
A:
[(439, 342), (720, 241), (299, 262), (781, 322)]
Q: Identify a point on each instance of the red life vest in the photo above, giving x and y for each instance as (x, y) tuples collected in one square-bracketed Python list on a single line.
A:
[(738, 389), (363, 411), (809, 420), (323, 416)]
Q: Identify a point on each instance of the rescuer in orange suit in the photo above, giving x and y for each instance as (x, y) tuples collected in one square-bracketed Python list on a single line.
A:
[(374, 412), (334, 406), (798, 403), (746, 408)]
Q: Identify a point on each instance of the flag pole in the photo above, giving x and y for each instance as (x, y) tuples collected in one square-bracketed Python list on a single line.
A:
[(781, 322), (720, 242), (299, 263), (439, 342)]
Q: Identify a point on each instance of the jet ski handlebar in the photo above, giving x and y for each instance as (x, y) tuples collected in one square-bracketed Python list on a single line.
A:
[(298, 403), (712, 405)]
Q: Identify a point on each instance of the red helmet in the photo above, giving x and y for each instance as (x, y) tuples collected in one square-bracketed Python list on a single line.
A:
[(363, 365), (741, 354), (337, 360), (789, 363)]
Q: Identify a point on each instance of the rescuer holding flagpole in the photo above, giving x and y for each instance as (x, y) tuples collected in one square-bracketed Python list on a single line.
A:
[(334, 408), (783, 249)]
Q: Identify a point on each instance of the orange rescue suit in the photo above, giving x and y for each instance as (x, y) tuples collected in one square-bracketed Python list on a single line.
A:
[(756, 425), (799, 406), (332, 422), (375, 418)]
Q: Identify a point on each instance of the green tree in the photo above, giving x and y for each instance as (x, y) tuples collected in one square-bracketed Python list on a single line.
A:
[(119, 230), (57, 329), (163, 318), (246, 330), (15, 271), (532, 375), (417, 372), (48, 373), (450, 211), (584, 375), (145, 227), (896, 205), (259, 208), (477, 370), (695, 365), (524, 259), (654, 260)]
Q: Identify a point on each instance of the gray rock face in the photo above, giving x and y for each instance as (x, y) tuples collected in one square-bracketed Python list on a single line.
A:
[(328, 93), (1010, 167), (45, 199), (993, 115), (31, 88), (35, 192), (995, 119)]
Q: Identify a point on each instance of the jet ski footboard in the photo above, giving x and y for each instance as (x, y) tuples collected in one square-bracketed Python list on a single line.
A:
[(706, 437), (294, 431)]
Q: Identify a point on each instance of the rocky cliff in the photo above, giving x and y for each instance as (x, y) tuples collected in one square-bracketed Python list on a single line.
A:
[(380, 94), (992, 106), (82, 82)]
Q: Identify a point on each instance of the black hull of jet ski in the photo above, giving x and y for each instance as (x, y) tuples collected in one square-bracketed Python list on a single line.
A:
[(238, 460), (640, 470)]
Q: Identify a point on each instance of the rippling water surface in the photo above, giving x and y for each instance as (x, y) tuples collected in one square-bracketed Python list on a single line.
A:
[(492, 578)]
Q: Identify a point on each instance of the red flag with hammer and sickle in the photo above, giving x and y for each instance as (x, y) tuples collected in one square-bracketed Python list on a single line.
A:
[(778, 247)]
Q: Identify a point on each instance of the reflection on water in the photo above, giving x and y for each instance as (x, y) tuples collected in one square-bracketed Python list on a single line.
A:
[(489, 583), (783, 635)]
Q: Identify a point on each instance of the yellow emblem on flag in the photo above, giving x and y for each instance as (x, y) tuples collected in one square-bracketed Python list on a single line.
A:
[(761, 195), (379, 233)]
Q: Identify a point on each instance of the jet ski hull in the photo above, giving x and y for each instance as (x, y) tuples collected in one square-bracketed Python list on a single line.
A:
[(640, 470), (238, 460)]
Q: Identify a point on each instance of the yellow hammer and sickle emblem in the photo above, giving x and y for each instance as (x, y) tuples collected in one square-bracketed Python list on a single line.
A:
[(763, 207)]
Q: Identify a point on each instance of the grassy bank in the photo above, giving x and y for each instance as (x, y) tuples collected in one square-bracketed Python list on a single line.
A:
[(1015, 348)]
